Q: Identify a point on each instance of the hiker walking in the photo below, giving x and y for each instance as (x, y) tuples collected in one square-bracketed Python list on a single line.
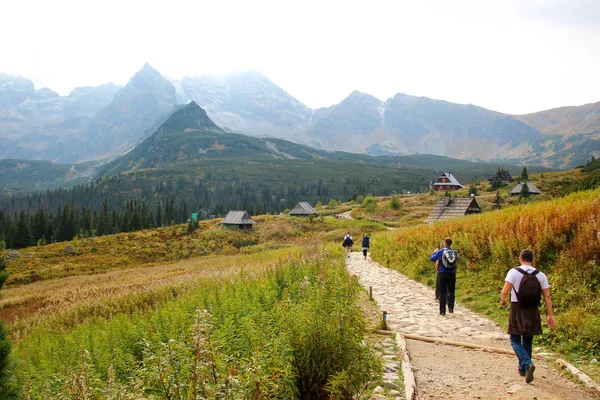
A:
[(365, 244), (348, 243), (446, 278), (526, 286)]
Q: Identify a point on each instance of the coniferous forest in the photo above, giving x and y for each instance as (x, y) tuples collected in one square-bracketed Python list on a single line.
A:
[(134, 201)]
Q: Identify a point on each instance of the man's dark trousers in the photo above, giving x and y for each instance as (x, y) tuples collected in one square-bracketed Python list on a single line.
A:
[(447, 284)]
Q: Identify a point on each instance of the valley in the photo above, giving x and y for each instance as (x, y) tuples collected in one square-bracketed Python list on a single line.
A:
[(112, 306)]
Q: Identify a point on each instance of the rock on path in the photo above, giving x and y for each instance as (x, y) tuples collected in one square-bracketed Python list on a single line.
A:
[(447, 372)]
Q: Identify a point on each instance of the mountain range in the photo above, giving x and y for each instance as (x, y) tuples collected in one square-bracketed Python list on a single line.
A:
[(190, 149), (99, 122)]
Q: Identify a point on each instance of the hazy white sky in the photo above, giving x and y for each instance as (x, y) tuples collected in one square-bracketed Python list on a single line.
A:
[(513, 56)]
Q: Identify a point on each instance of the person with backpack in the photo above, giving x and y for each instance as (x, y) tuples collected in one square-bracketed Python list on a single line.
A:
[(366, 242), (526, 286), (348, 243), (446, 276)]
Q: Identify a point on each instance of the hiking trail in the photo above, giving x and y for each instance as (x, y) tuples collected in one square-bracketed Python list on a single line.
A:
[(449, 372)]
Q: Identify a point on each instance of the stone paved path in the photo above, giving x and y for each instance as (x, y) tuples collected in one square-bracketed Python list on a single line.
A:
[(447, 372)]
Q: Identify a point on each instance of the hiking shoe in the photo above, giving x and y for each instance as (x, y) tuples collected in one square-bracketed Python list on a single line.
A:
[(451, 311), (529, 373), (442, 314), (522, 372)]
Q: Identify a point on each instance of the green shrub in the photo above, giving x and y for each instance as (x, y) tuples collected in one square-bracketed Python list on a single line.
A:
[(370, 203), (395, 203), (244, 242)]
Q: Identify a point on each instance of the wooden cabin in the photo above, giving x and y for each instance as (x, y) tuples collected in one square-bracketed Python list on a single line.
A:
[(448, 182), (448, 207), (517, 189), (504, 176), (303, 209), (238, 220)]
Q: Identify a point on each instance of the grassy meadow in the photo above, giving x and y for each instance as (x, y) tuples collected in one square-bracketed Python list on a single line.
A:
[(216, 313)]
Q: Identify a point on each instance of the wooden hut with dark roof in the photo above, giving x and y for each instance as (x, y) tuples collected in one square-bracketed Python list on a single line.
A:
[(238, 220), (448, 207), (504, 176), (303, 209), (447, 182), (517, 189)]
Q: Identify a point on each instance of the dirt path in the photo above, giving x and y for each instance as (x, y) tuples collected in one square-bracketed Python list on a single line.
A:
[(447, 372), (346, 215)]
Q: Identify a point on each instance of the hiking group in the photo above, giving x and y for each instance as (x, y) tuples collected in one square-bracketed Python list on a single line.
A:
[(526, 285), (348, 243)]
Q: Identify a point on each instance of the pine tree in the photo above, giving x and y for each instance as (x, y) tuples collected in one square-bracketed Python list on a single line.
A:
[(473, 189), (498, 200), (524, 191), (40, 225), (496, 182), (524, 174), (22, 232)]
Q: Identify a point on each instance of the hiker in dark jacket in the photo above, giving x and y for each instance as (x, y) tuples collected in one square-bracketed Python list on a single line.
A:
[(524, 319), (446, 282), (365, 244)]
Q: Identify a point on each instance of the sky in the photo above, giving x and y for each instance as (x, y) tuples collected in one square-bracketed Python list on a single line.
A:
[(512, 56)]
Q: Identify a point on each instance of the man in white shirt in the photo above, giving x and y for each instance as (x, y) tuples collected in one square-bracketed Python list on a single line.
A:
[(525, 322)]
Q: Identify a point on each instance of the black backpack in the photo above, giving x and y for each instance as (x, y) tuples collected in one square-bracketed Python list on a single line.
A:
[(449, 258), (530, 289)]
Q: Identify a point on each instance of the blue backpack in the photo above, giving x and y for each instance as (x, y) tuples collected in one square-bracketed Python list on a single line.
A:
[(449, 259)]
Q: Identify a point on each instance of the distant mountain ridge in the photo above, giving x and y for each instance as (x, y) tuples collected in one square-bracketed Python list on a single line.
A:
[(190, 146), (94, 123)]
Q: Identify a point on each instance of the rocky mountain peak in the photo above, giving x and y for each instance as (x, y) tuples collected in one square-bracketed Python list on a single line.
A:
[(189, 118)]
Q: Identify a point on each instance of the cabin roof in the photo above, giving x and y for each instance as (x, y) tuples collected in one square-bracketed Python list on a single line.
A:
[(518, 187), (303, 208), (453, 180), (503, 174), (238, 218), (447, 207)]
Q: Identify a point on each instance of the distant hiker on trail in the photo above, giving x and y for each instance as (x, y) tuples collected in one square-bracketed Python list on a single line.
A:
[(446, 279), (365, 244), (526, 285), (348, 243)]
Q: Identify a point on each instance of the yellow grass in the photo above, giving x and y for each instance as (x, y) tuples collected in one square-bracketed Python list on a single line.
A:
[(71, 300)]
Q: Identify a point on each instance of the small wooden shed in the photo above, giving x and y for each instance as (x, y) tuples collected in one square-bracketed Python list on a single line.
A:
[(303, 209), (238, 220), (517, 189), (448, 207), (447, 181)]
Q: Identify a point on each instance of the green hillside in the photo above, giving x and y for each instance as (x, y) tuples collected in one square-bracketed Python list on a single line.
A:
[(36, 175)]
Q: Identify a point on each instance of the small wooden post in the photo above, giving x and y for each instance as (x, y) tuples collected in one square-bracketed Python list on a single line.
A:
[(371, 292), (384, 324)]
